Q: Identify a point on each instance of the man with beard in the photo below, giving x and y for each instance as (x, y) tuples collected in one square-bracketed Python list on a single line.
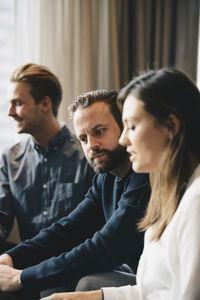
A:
[(93, 243)]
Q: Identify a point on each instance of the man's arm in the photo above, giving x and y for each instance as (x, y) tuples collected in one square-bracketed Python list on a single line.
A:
[(117, 242), (7, 217), (6, 259), (10, 278), (62, 236)]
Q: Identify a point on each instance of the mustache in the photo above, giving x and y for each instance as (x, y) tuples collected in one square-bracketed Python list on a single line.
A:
[(17, 118), (98, 151)]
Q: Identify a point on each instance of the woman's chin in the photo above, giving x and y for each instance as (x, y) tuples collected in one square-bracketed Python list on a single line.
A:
[(139, 169)]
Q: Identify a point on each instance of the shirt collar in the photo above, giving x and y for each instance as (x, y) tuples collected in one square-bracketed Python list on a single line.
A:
[(56, 142)]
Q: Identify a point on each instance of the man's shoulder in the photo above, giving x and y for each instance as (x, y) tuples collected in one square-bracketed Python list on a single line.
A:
[(18, 148), (132, 179), (137, 178), (72, 145), (104, 179)]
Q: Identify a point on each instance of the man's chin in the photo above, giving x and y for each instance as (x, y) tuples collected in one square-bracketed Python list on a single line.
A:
[(19, 130), (110, 162), (106, 166), (19, 127), (98, 168)]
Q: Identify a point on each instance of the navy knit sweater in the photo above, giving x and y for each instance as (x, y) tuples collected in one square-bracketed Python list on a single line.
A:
[(99, 235)]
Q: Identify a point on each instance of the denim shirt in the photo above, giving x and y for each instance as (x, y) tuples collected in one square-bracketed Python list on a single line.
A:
[(39, 187)]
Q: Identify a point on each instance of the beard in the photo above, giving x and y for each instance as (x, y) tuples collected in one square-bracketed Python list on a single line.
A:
[(114, 157)]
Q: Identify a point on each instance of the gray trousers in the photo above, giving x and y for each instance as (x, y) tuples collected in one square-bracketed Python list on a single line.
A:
[(123, 276), (107, 279)]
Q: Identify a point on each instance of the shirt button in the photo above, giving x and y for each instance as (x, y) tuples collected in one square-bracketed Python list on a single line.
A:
[(45, 212), (45, 159), (44, 186)]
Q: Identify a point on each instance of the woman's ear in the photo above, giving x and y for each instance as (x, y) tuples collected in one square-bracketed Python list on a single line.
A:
[(173, 124)]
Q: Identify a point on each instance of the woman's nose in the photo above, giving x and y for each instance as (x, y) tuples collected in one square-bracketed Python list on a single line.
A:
[(123, 140)]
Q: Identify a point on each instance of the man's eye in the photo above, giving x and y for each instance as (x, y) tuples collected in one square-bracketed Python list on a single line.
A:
[(18, 103), (99, 131), (83, 139)]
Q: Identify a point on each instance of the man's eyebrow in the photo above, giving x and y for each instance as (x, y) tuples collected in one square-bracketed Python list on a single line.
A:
[(99, 125), (14, 99), (93, 129)]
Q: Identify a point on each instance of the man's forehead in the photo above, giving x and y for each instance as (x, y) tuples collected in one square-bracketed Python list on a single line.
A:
[(89, 126), (10, 90), (89, 122), (16, 88), (96, 110)]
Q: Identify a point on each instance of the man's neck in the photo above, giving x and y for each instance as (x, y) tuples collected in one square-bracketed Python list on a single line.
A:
[(123, 168), (48, 131)]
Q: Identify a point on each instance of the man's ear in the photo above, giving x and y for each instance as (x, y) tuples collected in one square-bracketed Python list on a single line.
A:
[(173, 124), (46, 104)]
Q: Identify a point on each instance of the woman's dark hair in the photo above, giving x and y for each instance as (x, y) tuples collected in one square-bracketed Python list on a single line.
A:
[(164, 92)]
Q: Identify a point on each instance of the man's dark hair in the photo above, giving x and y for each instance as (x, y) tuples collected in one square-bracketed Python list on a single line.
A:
[(107, 96)]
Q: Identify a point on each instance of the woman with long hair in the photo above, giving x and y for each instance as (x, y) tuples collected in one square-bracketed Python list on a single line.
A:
[(161, 117)]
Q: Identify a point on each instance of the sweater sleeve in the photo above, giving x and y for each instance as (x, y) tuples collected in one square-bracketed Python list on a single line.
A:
[(122, 293), (117, 242)]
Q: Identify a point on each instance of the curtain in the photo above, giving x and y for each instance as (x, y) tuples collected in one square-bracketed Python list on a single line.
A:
[(187, 36), (163, 33), (198, 60), (100, 44), (84, 42)]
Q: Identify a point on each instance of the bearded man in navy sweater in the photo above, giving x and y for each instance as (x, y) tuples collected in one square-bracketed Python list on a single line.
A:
[(97, 238)]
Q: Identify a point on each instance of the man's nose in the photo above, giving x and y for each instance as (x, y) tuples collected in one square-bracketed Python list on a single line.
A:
[(11, 111), (93, 143)]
